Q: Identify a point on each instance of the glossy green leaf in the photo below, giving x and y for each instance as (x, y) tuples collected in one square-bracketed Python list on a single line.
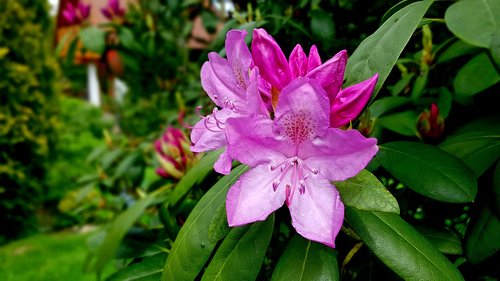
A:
[(379, 52), (305, 260), (474, 21), (482, 236), (218, 227), (93, 39), (148, 269), (429, 171), (457, 49), (366, 192), (193, 176), (117, 230), (384, 105), (477, 144), (476, 76), (399, 246), (496, 190), (241, 254), (446, 241), (395, 8), (192, 247), (404, 123), (495, 48)]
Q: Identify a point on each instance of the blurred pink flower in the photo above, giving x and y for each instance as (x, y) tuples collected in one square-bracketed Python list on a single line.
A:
[(430, 124), (76, 14), (113, 10), (294, 158), (277, 72), (174, 154)]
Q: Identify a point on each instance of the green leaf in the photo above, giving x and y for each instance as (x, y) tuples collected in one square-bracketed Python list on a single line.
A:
[(128, 40), (477, 144), (192, 247), (474, 21), (399, 246), (457, 49), (193, 176), (241, 254), (387, 104), (218, 227), (306, 260), (481, 240), (379, 52), (323, 27), (366, 192), (429, 171), (93, 39), (446, 241), (395, 8), (420, 83), (404, 123), (402, 84), (496, 190), (148, 269), (444, 101), (117, 231), (476, 76), (495, 48)]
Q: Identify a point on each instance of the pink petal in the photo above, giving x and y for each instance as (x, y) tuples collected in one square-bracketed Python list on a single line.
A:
[(318, 213), (298, 62), (115, 5), (252, 197), (206, 135), (106, 13), (68, 16), (251, 140), (270, 60), (314, 59), (331, 74), (349, 103), (265, 92), (238, 55), (303, 108), (223, 164), (218, 80), (340, 154)]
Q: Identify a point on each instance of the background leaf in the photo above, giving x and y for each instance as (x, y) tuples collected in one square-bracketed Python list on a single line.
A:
[(148, 269), (404, 123), (241, 254), (482, 236), (477, 143), (429, 171), (379, 52), (384, 105), (476, 76), (93, 39), (366, 192), (496, 190), (446, 241), (306, 260), (192, 247), (465, 18), (399, 246)]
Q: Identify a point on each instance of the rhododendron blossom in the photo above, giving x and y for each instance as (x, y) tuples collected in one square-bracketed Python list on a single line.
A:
[(277, 73), (293, 158), (281, 118)]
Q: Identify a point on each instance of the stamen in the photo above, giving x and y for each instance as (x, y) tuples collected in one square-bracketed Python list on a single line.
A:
[(206, 121), (288, 193)]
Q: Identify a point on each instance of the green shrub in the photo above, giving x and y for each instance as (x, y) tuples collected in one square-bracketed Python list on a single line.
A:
[(27, 111)]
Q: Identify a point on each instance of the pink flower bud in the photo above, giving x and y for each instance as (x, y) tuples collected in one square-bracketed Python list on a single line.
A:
[(430, 124), (173, 154)]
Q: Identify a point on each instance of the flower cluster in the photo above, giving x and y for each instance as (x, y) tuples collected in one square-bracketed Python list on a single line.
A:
[(282, 118), (113, 10), (76, 14)]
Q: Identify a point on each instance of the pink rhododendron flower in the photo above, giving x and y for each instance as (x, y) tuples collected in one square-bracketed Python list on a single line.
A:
[(113, 10), (277, 72), (76, 14), (232, 85), (294, 158)]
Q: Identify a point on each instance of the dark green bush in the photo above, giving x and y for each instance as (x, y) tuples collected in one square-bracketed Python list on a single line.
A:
[(28, 102)]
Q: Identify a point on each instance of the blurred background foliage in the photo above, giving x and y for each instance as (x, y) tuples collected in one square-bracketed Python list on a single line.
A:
[(67, 163)]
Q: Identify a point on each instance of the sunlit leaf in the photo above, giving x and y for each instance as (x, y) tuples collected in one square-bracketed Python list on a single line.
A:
[(476, 76), (477, 144), (93, 39), (399, 246), (474, 21), (482, 236), (429, 171), (366, 192), (240, 255), (192, 247), (379, 52), (305, 260)]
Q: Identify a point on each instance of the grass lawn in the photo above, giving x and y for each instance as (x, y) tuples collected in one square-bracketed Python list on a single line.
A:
[(55, 256)]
